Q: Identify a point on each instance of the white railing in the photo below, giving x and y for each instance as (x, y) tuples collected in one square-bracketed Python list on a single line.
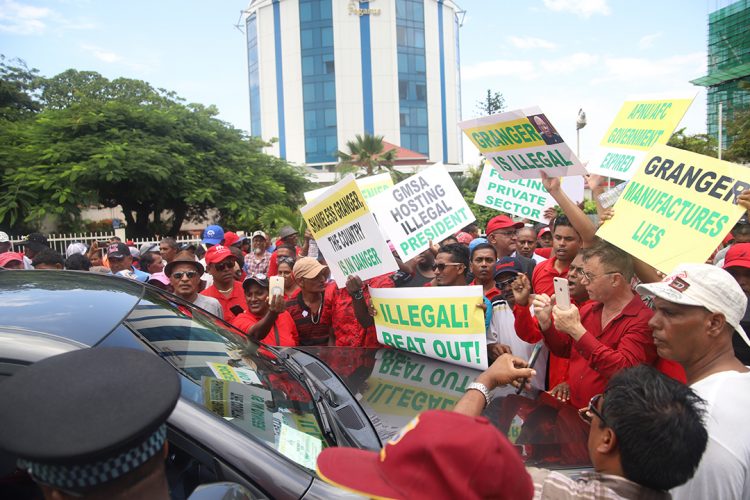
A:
[(60, 242)]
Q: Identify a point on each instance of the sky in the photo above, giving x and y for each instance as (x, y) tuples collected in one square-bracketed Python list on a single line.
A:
[(562, 55)]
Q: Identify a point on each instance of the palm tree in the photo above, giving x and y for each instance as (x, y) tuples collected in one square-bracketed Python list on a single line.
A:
[(366, 152)]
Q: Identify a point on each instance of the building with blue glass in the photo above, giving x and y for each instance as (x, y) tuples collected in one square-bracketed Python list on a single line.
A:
[(322, 71)]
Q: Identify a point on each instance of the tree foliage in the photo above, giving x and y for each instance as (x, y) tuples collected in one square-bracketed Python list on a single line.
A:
[(122, 142), (697, 143), (739, 130), (366, 152), (492, 103)]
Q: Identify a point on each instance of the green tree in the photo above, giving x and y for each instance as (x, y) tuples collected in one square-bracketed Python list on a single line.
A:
[(17, 83), (365, 152), (468, 184), (492, 103), (739, 130), (697, 143), (97, 142)]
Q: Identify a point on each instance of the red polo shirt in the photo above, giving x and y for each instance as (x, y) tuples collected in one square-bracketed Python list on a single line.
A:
[(599, 354), (284, 325), (237, 298), (491, 293), (544, 251), (542, 282), (346, 327)]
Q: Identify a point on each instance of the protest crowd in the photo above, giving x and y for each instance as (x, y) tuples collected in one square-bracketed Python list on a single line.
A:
[(635, 320)]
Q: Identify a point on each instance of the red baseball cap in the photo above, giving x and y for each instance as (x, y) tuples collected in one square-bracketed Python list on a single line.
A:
[(6, 257), (217, 253), (543, 231), (230, 238), (464, 238), (738, 255), (439, 454), (501, 222)]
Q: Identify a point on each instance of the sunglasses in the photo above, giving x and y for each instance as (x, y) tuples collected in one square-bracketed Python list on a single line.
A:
[(179, 274), (587, 414), (506, 283), (441, 267), (224, 265)]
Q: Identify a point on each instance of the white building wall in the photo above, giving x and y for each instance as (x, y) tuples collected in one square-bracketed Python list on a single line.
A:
[(267, 65), (451, 105), (385, 72), (292, 67), (347, 56), (432, 63)]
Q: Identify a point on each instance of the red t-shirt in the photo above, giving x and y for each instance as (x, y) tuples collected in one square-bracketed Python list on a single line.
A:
[(544, 251), (227, 303), (541, 280), (599, 354), (346, 328), (284, 325)]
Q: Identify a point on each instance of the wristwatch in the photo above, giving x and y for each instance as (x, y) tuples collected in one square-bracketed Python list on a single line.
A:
[(477, 386)]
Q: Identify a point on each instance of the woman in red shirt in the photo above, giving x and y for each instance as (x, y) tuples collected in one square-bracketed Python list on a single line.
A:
[(286, 264), (265, 320)]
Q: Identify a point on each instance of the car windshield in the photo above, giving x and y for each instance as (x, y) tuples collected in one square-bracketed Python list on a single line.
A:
[(237, 379)]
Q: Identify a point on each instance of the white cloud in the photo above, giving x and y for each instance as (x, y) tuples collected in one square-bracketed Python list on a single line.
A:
[(101, 54), (20, 19), (581, 8), (635, 69), (647, 41), (529, 42), (500, 67), (569, 63)]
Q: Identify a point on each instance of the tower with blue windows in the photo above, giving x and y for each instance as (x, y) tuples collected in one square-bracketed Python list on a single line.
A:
[(322, 71)]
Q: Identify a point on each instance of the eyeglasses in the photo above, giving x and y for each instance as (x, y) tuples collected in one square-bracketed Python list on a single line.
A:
[(506, 283), (221, 266), (179, 274), (575, 270), (508, 234), (591, 277), (441, 267), (587, 414)]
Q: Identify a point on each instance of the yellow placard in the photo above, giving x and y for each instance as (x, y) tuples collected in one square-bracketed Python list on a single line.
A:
[(393, 398), (458, 316), (505, 136), (677, 208), (644, 124), (336, 211)]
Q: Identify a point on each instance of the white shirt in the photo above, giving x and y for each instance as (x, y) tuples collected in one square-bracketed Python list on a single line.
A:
[(723, 471), (502, 330), (535, 256)]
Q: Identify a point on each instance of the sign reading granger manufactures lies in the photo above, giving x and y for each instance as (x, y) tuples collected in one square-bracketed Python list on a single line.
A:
[(638, 126), (445, 322), (677, 207), (425, 207), (521, 144), (347, 234)]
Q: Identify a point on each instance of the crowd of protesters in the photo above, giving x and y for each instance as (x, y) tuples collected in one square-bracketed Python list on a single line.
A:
[(689, 326)]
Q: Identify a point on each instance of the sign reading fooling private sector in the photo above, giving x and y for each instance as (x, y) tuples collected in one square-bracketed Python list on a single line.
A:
[(522, 143), (677, 207), (442, 322), (638, 126), (347, 233), (522, 197), (426, 206)]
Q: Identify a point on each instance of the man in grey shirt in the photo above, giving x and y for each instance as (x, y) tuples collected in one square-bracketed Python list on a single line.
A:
[(184, 274)]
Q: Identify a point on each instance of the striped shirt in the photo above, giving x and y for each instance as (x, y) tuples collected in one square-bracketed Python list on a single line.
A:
[(551, 485)]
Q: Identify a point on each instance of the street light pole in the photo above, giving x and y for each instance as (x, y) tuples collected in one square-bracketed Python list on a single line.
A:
[(580, 123)]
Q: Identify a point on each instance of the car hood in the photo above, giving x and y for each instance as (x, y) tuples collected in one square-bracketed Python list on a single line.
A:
[(394, 386)]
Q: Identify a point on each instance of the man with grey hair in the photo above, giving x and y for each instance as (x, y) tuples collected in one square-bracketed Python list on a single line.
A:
[(697, 310)]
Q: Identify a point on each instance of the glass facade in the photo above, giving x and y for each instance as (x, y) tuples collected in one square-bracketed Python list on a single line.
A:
[(318, 80), (728, 78), (412, 75), (253, 74)]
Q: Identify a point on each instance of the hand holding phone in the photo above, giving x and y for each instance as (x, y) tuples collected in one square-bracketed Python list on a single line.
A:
[(532, 361), (562, 293), (276, 286)]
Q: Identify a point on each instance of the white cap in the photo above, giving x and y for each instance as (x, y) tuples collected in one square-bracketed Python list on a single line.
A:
[(4, 237), (703, 285), (259, 233), (74, 248)]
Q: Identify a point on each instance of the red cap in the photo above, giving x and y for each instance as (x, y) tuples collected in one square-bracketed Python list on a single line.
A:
[(217, 253), (501, 222), (543, 231), (738, 255), (230, 238), (439, 454), (9, 257), (464, 238)]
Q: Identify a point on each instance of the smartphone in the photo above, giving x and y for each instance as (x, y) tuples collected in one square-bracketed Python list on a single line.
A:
[(276, 286), (562, 293), (532, 361)]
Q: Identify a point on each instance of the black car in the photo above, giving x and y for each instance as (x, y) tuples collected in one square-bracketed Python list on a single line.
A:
[(254, 414)]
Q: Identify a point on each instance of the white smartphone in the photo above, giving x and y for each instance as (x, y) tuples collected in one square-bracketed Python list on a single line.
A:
[(276, 285), (562, 293)]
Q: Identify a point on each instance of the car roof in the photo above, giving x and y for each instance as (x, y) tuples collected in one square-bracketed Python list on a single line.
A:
[(81, 306)]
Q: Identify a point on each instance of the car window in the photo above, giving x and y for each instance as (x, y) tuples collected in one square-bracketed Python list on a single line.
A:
[(236, 378)]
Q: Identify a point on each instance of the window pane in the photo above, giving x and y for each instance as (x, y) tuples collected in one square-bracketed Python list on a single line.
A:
[(308, 66), (325, 9), (311, 144), (329, 91), (327, 37), (307, 39), (310, 121), (308, 92), (330, 115), (331, 144), (305, 12), (403, 87), (421, 92)]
